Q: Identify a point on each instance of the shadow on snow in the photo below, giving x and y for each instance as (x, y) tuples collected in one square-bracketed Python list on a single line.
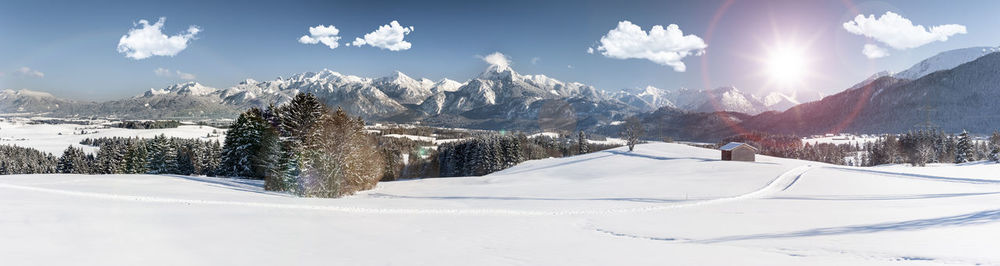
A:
[(645, 200), (974, 218)]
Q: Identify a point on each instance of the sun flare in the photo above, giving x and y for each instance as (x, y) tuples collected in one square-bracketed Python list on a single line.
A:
[(786, 66)]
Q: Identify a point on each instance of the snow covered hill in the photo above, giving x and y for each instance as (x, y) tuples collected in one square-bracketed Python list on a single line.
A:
[(663, 204), (945, 60)]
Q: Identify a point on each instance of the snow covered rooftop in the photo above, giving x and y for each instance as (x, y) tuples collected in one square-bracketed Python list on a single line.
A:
[(733, 145)]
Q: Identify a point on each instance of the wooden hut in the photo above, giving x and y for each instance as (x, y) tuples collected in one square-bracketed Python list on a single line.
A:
[(738, 151)]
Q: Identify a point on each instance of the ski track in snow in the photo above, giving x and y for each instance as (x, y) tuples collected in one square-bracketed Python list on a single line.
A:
[(778, 184)]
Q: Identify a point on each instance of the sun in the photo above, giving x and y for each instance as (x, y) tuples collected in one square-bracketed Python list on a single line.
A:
[(786, 66)]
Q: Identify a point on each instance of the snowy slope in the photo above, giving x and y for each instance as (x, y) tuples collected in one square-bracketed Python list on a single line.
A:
[(945, 60), (777, 101), (663, 204)]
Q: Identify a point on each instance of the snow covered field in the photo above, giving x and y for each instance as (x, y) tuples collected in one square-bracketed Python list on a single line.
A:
[(47, 138), (665, 204)]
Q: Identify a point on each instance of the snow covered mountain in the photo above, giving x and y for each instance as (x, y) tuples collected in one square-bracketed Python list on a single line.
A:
[(728, 99), (777, 101), (648, 98), (498, 93), (945, 60), (27, 101), (403, 88), (499, 97), (720, 99), (370, 98), (941, 61), (501, 85), (958, 98)]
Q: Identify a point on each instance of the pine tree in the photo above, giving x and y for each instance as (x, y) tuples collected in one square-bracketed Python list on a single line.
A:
[(162, 156), (235, 151), (581, 141), (137, 158), (110, 158), (74, 161), (170, 157), (213, 159), (964, 152), (185, 161), (995, 147), (297, 121), (445, 164), (198, 150), (251, 147)]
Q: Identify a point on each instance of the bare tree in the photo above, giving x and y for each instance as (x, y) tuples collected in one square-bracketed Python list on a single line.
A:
[(924, 153), (632, 131)]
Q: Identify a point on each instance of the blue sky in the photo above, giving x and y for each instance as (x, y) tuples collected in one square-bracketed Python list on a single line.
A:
[(69, 48)]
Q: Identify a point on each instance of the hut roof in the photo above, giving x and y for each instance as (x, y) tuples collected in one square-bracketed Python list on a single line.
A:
[(734, 145)]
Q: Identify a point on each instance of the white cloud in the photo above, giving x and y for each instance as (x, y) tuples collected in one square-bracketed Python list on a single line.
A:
[(497, 59), (322, 34), (187, 76), (664, 46), (569, 66), (28, 72), (874, 51), (386, 37), (590, 50), (163, 72), (534, 60), (898, 32), (149, 40)]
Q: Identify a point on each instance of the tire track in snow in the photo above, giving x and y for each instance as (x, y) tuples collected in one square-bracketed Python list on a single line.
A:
[(784, 180)]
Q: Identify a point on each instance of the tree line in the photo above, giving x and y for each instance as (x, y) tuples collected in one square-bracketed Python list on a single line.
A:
[(159, 155), (917, 148), (16, 160), (792, 147), (486, 154), (118, 155), (157, 124)]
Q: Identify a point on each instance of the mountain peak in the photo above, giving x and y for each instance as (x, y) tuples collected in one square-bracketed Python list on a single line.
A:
[(725, 89), (650, 90), (190, 88), (494, 72), (499, 67), (397, 77), (445, 85)]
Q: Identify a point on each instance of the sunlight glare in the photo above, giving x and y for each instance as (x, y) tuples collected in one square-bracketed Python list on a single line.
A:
[(786, 66)]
